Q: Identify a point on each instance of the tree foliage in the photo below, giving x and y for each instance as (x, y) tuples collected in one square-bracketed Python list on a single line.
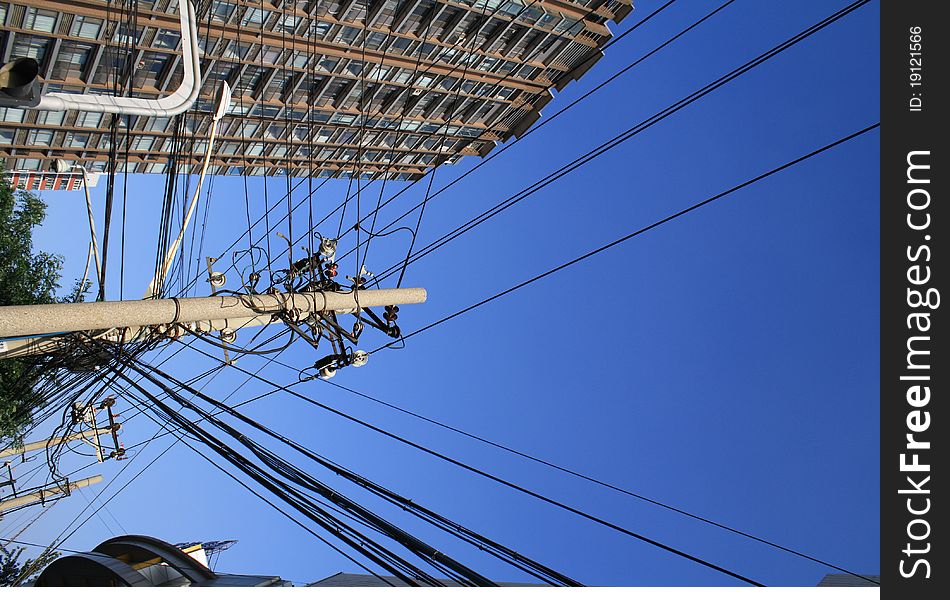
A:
[(26, 277), (13, 572)]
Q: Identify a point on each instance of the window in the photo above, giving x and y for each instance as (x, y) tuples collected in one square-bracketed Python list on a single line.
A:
[(255, 149), (166, 39), (229, 149), (40, 137), (12, 115), (300, 60), (149, 69), (71, 60), (125, 35), (255, 17), (88, 119), (76, 140), (45, 117), (39, 20), (287, 23), (270, 56), (221, 11), (6, 136), (143, 143), (31, 46), (159, 124), (236, 50), (28, 164), (85, 27)]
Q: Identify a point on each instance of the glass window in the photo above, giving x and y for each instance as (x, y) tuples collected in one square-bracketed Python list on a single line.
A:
[(166, 39), (159, 124), (39, 20), (270, 56), (287, 23), (85, 27), (236, 50), (143, 143), (6, 136), (221, 11), (255, 17), (31, 46), (88, 119), (71, 60), (149, 69), (40, 137), (76, 140), (28, 164), (12, 115), (47, 117)]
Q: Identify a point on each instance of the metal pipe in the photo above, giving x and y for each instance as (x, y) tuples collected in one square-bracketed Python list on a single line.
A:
[(35, 320), (175, 103)]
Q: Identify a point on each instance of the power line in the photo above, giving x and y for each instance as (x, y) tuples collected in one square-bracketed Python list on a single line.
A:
[(501, 481), (639, 232), (622, 137)]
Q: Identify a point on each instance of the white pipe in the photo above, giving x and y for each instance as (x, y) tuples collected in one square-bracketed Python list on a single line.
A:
[(175, 103), (85, 275), (92, 225)]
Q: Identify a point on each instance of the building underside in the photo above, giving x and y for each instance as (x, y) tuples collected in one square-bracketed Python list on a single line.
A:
[(325, 88)]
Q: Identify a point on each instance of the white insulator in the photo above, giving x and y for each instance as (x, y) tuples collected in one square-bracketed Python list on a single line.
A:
[(327, 372), (328, 247), (359, 359)]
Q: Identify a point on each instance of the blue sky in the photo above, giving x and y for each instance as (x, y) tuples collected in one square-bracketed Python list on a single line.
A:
[(725, 363)]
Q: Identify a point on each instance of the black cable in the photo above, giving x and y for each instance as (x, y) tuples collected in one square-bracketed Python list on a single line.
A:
[(640, 231), (531, 567), (501, 481), (624, 136)]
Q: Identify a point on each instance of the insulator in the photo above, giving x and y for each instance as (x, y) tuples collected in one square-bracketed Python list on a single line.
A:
[(327, 372), (359, 358), (327, 247), (228, 336)]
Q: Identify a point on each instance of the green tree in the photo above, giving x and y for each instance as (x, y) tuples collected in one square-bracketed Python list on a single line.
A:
[(26, 277), (12, 572)]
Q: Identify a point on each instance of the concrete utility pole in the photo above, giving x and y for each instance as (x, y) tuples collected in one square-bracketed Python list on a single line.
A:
[(79, 435), (45, 319), (50, 493)]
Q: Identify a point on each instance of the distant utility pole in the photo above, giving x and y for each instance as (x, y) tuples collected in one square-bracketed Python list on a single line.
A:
[(83, 414), (43, 495), (24, 326)]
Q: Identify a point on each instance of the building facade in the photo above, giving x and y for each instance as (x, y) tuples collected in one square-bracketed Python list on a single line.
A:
[(327, 88), (48, 180)]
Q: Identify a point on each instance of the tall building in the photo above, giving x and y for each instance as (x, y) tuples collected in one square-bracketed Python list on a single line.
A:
[(322, 87)]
